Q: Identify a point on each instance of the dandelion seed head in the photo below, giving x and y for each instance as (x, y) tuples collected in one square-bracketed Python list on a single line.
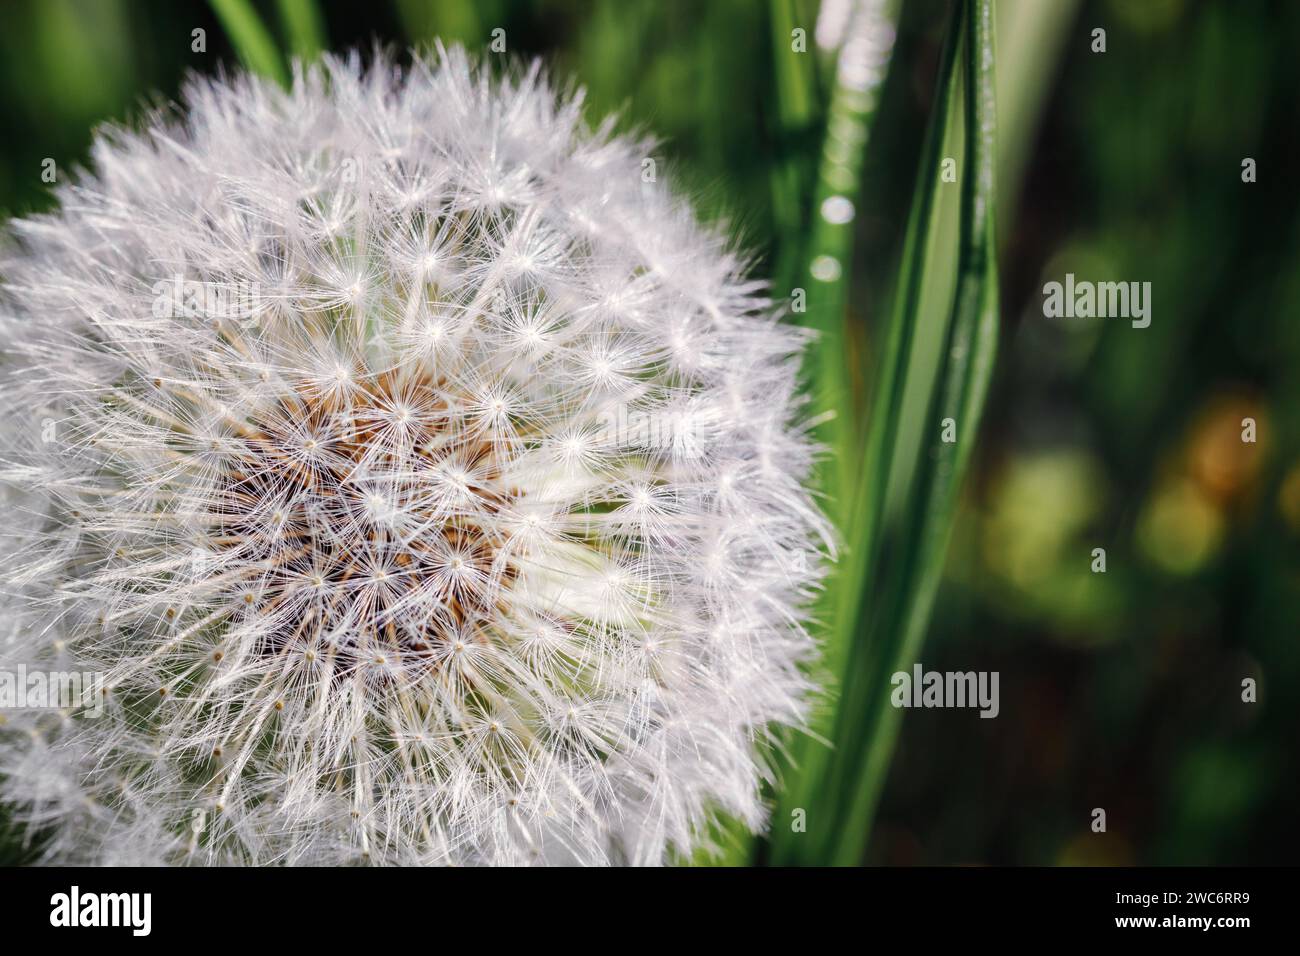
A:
[(417, 486)]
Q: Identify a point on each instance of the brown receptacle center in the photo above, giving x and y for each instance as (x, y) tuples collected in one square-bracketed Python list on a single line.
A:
[(293, 507)]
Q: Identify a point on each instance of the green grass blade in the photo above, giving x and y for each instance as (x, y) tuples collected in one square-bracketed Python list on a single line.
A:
[(852, 110), (860, 74), (966, 365), (901, 363), (452, 21), (851, 577), (797, 109), (251, 40), (303, 24)]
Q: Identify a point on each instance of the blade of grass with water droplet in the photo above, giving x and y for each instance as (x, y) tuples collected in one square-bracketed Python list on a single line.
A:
[(861, 69), (898, 624)]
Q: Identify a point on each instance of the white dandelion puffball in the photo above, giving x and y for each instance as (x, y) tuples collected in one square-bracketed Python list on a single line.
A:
[(419, 482)]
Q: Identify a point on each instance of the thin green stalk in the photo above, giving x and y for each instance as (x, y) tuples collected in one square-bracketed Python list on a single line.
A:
[(797, 107), (966, 368), (924, 258), (860, 74), (827, 273), (853, 107), (251, 40), (302, 22)]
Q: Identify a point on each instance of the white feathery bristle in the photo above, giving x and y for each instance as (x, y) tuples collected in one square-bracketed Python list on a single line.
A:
[(425, 486)]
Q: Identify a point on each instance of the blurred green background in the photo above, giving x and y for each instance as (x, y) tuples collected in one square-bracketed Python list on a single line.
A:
[(1119, 690)]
